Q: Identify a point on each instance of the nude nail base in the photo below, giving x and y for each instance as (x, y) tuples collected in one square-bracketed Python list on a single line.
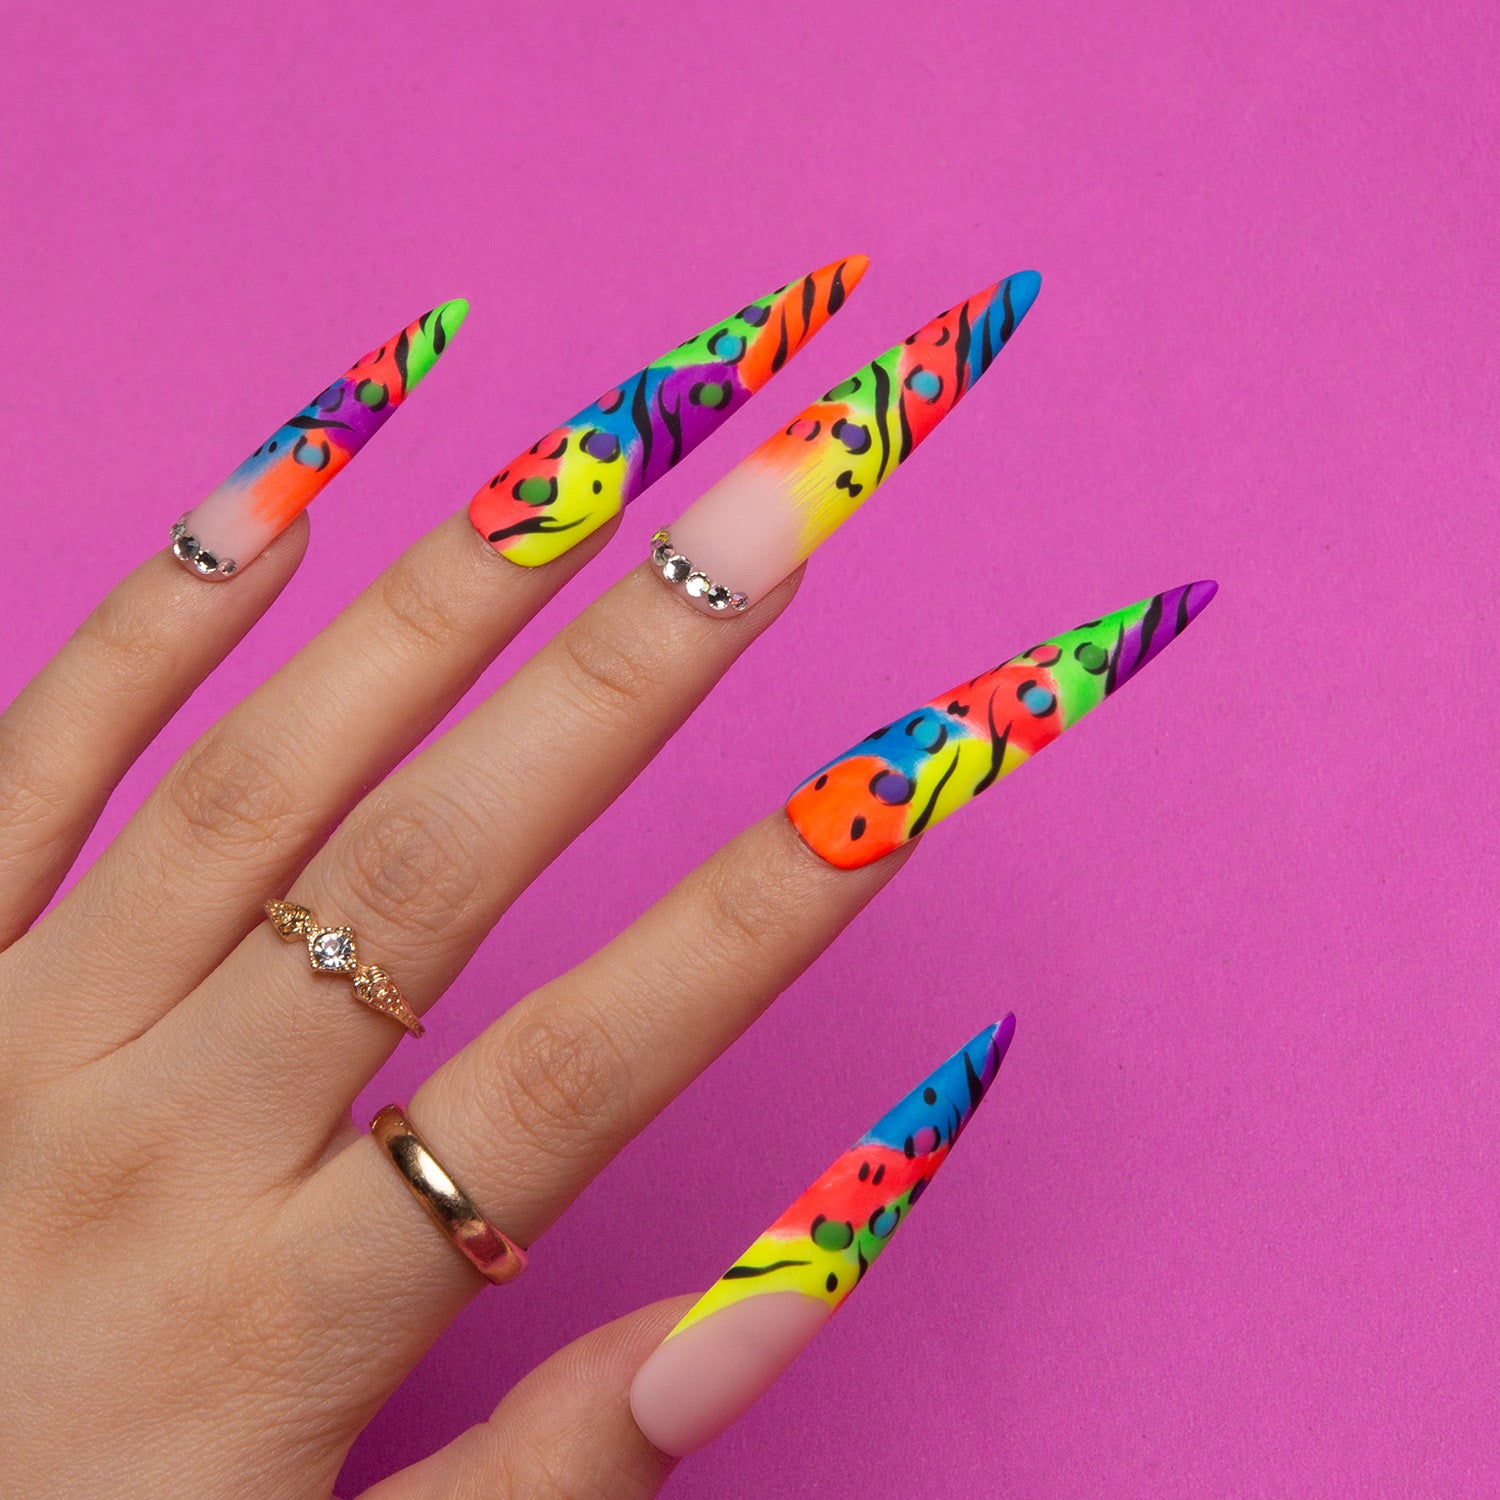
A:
[(743, 1333)]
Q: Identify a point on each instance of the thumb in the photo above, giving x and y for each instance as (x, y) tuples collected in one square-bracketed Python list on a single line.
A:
[(564, 1433)]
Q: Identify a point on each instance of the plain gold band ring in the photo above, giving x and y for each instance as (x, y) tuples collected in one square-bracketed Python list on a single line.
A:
[(493, 1254)]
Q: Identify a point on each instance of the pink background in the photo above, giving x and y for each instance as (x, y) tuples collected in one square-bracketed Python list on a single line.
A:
[(1228, 1225)]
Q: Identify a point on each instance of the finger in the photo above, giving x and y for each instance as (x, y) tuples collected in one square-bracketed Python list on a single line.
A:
[(565, 1432), (528, 1113), (81, 722), (100, 701), (239, 814), (425, 867), (233, 819)]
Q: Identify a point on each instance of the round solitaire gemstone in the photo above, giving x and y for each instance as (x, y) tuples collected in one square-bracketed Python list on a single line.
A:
[(698, 584), (333, 951), (676, 568), (717, 597)]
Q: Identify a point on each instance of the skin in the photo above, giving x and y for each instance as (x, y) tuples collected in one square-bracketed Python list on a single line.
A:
[(182, 1312)]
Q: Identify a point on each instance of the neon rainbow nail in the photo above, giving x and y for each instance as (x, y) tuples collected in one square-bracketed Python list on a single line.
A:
[(764, 518), (580, 475), (899, 781), (235, 524), (736, 1341)]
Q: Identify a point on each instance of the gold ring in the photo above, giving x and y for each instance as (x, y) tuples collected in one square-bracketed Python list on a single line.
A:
[(331, 950), (493, 1254)]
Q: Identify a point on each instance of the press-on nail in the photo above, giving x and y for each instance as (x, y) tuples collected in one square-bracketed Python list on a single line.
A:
[(766, 1308), (236, 523), (570, 482), (902, 779), (765, 517)]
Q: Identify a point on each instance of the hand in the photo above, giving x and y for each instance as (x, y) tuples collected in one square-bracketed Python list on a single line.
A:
[(210, 1279)]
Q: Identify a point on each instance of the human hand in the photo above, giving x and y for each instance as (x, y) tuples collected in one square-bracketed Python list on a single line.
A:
[(210, 1278)]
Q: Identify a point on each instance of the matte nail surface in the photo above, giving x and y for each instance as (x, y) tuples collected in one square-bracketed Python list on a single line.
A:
[(286, 473), (904, 778), (746, 533), (764, 1310), (573, 480)]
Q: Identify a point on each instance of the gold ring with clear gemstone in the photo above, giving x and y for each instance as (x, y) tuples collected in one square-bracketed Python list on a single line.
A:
[(332, 950)]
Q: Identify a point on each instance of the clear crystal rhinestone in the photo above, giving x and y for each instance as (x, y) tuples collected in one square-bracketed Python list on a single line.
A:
[(228, 566), (332, 951), (206, 562), (185, 547), (717, 597), (676, 568), (698, 584), (660, 553), (739, 601)]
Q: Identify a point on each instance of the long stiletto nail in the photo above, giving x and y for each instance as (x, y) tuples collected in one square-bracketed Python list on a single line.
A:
[(570, 482), (766, 1308), (746, 533), (236, 523), (904, 778)]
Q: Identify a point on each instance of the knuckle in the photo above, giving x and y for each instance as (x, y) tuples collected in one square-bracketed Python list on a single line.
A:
[(606, 666), (33, 796), (746, 914), (135, 652), (406, 865), (232, 789), (562, 1081), (541, 1469), (407, 591)]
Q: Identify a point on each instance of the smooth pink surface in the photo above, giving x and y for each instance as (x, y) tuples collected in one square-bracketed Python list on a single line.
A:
[(702, 1379), (743, 531), (1229, 1225)]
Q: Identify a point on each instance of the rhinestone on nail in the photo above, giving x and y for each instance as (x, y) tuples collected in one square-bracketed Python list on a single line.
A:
[(189, 551), (677, 569)]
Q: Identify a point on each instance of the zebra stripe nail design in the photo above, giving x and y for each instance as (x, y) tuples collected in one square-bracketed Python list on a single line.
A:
[(899, 781), (768, 515), (575, 478)]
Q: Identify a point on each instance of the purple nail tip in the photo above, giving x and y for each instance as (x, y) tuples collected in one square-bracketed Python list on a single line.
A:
[(1199, 595), (1004, 1031)]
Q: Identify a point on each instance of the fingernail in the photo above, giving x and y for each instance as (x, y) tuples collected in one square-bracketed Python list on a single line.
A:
[(904, 778), (570, 482), (764, 518), (765, 1309), (241, 518)]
